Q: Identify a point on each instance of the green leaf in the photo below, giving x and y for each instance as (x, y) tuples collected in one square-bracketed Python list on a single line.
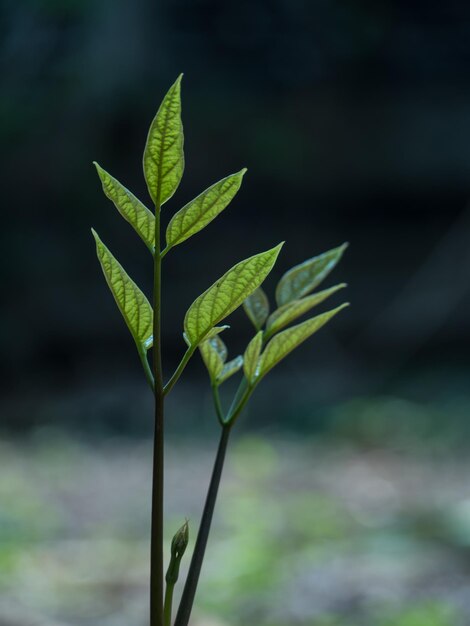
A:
[(130, 207), (292, 310), (229, 369), (132, 303), (251, 356), (226, 294), (257, 308), (163, 154), (303, 278), (202, 210), (287, 340), (214, 354)]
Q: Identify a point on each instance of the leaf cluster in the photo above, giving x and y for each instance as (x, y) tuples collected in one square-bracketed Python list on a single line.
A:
[(163, 164)]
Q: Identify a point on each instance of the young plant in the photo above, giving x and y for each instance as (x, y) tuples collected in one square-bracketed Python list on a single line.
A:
[(275, 337)]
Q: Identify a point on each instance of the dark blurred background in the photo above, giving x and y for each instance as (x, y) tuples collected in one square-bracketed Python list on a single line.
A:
[(353, 119)]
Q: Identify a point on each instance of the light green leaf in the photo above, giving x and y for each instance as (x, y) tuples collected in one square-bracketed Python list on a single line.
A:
[(130, 207), (163, 154), (287, 340), (214, 354), (132, 303), (257, 307), (303, 278), (292, 310), (229, 369), (226, 294), (251, 356), (202, 210)]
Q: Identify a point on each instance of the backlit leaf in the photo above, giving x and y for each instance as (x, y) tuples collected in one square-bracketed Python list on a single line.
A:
[(257, 307), (163, 154), (292, 310), (251, 356), (226, 294), (229, 369), (287, 340), (214, 354), (132, 303), (303, 278), (130, 207), (202, 210)]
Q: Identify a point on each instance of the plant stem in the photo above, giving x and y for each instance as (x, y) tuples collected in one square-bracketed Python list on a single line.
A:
[(179, 370), (156, 541), (187, 599), (168, 604)]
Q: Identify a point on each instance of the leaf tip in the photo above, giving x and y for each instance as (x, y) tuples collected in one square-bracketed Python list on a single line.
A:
[(177, 83), (99, 170)]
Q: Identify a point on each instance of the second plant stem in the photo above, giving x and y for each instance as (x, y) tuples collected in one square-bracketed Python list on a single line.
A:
[(189, 592), (156, 541)]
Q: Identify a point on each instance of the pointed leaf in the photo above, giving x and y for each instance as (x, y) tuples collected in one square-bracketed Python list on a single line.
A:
[(251, 356), (225, 295), (130, 207), (163, 154), (214, 354), (303, 278), (257, 308), (202, 210), (229, 369), (292, 310), (132, 303), (287, 340)]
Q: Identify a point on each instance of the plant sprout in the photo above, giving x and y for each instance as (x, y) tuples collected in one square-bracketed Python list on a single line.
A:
[(275, 336)]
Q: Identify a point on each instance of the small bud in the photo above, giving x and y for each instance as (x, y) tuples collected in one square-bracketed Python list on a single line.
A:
[(178, 547), (180, 541)]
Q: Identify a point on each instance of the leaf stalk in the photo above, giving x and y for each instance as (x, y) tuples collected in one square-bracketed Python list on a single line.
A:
[(146, 365), (179, 370)]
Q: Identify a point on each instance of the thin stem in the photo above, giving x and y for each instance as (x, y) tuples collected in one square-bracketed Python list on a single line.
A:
[(156, 541), (187, 599), (179, 370), (217, 403), (168, 604), (240, 392), (146, 365), (237, 407)]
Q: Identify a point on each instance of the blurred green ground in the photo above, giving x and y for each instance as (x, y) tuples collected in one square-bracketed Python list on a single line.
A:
[(328, 531)]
